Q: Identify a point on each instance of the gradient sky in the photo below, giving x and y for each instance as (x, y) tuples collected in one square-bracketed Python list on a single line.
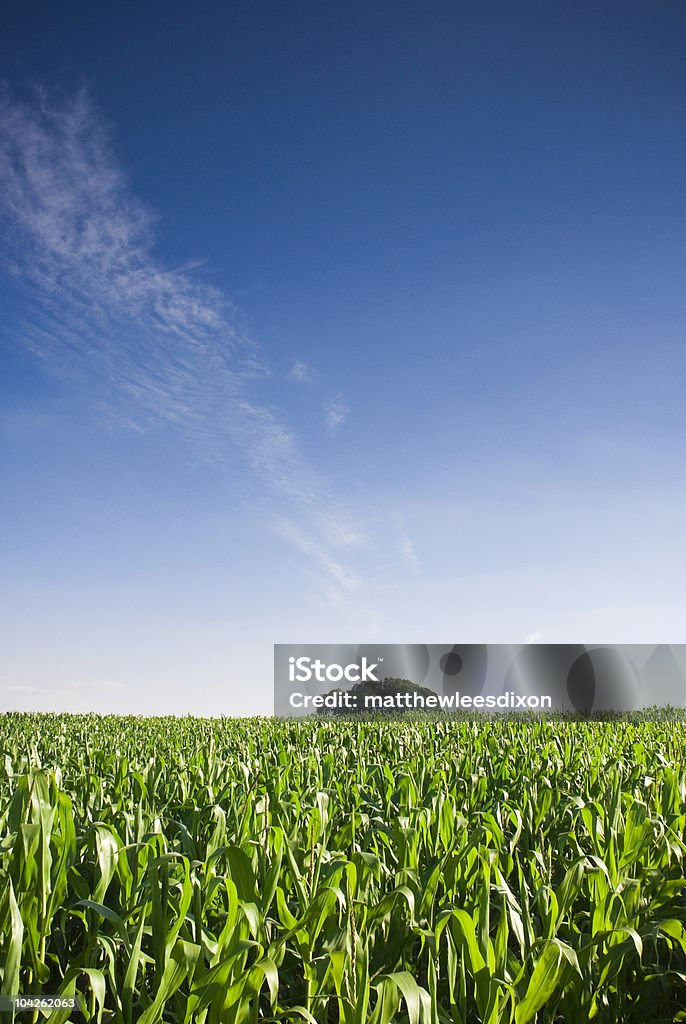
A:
[(334, 323)]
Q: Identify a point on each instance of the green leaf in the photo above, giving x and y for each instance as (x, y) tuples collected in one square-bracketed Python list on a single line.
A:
[(180, 966), (417, 999), (547, 975), (10, 974)]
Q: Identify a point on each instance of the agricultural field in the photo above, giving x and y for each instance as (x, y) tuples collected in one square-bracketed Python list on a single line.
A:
[(433, 872)]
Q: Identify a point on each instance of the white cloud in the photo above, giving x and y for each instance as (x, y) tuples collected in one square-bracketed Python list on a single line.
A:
[(335, 570), (409, 555), (335, 413), (301, 373), (159, 345), (405, 547)]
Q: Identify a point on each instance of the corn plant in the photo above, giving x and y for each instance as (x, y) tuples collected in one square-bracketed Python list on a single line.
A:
[(390, 872)]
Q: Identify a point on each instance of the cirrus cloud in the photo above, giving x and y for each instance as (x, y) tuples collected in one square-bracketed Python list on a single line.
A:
[(157, 345)]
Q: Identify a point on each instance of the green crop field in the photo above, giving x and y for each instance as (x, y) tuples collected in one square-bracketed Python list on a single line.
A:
[(254, 870)]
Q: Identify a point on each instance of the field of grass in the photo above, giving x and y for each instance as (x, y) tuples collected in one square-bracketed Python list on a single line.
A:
[(235, 871)]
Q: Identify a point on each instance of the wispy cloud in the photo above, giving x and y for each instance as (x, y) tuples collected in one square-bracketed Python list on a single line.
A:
[(302, 373), (409, 555), (161, 346), (340, 574), (405, 547), (335, 413)]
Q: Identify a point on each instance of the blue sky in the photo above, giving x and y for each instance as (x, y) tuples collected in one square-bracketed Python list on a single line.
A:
[(334, 323)]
